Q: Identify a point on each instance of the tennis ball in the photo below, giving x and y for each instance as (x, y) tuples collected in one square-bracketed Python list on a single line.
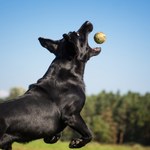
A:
[(99, 37)]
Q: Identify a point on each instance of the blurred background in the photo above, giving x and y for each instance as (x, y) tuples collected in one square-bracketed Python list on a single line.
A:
[(117, 80)]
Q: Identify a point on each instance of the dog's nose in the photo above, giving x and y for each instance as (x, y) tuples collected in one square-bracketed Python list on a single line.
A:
[(87, 26), (88, 22)]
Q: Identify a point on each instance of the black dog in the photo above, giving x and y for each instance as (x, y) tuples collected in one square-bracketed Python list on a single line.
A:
[(56, 100)]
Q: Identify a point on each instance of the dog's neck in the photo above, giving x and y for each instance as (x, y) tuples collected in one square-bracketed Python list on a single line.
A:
[(74, 67)]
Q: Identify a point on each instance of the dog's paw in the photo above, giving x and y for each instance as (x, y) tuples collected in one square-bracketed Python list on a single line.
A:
[(51, 140), (77, 143)]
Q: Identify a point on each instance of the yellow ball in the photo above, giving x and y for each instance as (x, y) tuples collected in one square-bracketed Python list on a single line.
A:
[(99, 37)]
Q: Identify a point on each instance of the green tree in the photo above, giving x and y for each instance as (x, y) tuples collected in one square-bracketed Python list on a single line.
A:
[(137, 125), (1, 99), (145, 115), (120, 117), (107, 117), (15, 92), (100, 129)]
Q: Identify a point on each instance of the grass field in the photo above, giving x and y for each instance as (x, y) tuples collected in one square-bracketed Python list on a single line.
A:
[(40, 145)]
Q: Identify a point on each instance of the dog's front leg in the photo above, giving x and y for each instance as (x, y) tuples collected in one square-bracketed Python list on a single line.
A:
[(77, 123), (51, 140)]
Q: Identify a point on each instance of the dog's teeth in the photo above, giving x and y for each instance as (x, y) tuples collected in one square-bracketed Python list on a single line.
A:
[(96, 49)]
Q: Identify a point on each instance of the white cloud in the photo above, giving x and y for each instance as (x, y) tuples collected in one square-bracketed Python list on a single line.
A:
[(3, 93)]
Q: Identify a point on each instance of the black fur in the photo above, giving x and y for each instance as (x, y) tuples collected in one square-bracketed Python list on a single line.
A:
[(56, 100)]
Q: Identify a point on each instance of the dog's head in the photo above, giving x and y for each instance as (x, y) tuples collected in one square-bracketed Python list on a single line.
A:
[(74, 45)]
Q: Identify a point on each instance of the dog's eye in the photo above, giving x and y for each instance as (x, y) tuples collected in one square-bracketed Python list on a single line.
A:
[(78, 34)]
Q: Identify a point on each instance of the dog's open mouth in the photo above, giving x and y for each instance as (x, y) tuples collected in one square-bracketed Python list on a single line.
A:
[(87, 27), (96, 50)]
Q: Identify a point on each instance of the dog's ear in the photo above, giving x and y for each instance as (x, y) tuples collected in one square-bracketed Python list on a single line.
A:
[(66, 37), (49, 44)]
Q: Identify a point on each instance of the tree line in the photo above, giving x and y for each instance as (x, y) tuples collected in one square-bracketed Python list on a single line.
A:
[(113, 117)]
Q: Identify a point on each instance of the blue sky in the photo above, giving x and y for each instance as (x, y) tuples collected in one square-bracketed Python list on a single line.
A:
[(124, 63)]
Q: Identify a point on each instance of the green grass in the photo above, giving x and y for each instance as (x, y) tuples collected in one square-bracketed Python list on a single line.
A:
[(40, 145)]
